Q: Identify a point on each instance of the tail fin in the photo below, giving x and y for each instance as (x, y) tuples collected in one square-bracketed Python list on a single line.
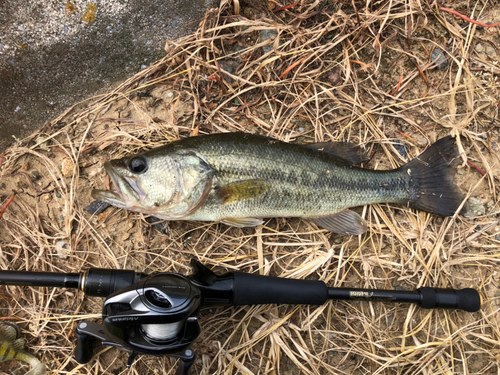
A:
[(434, 190)]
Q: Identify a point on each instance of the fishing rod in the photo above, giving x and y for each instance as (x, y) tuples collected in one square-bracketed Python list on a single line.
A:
[(157, 314)]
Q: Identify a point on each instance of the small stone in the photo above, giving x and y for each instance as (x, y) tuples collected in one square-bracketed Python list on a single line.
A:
[(67, 167), (160, 224), (102, 216), (36, 175), (422, 141), (58, 195), (25, 166), (390, 319), (400, 148), (479, 48), (125, 236), (438, 58), (96, 207), (62, 249), (44, 145), (490, 51), (474, 208), (268, 34)]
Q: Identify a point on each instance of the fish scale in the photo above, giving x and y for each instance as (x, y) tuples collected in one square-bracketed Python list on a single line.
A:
[(239, 178), (303, 182)]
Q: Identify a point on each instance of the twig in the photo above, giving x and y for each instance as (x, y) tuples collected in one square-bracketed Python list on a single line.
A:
[(9, 201), (284, 7), (476, 167), (467, 18), (398, 86), (287, 70)]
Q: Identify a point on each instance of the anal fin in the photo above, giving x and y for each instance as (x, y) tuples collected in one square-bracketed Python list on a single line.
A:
[(242, 222), (345, 222)]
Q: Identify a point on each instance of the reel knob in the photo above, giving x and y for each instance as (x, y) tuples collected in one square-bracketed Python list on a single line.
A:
[(83, 351)]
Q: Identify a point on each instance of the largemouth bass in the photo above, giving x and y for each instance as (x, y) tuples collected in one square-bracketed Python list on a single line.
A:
[(12, 348), (238, 179)]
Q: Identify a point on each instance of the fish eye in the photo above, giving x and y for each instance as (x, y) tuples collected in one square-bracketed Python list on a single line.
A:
[(137, 165)]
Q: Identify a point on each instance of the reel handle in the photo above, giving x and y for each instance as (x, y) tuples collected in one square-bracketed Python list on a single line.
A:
[(83, 351)]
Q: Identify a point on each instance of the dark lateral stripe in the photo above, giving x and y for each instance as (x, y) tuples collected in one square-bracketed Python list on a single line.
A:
[(5, 350)]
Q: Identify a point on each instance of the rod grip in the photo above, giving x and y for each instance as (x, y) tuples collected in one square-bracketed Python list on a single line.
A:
[(464, 299), (250, 289)]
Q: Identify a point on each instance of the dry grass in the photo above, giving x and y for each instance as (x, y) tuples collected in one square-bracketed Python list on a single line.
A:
[(318, 71)]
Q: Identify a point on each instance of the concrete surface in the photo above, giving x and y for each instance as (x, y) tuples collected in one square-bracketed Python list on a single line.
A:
[(56, 53)]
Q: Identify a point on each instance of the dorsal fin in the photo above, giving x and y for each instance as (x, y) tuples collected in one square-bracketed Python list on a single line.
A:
[(349, 152)]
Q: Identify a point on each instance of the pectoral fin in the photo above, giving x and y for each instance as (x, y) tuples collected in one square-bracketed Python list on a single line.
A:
[(345, 222), (242, 222), (241, 191), (349, 152)]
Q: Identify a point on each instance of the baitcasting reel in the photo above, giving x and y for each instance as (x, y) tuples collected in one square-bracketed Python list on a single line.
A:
[(157, 314)]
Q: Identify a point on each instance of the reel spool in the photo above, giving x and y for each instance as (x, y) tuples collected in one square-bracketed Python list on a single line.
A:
[(156, 315)]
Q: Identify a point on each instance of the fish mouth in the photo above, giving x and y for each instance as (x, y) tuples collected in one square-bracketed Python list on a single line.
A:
[(127, 193)]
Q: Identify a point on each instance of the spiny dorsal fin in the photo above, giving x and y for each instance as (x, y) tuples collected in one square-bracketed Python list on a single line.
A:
[(344, 222), (241, 190), (242, 222), (349, 152)]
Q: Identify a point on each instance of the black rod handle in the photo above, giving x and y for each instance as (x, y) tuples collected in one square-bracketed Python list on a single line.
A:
[(250, 289), (464, 299), (428, 298)]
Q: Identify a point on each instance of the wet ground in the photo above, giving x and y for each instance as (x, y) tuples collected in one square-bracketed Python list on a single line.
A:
[(55, 53)]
